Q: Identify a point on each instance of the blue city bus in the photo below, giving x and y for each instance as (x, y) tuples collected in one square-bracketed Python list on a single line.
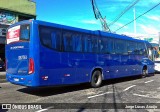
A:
[(40, 54)]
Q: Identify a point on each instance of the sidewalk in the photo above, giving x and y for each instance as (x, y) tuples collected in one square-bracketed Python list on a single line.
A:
[(2, 76)]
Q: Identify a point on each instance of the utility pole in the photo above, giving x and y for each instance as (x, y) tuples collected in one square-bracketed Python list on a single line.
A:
[(98, 15), (159, 42)]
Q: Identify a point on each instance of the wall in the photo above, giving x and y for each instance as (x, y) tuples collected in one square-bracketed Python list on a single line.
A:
[(7, 18), (21, 6)]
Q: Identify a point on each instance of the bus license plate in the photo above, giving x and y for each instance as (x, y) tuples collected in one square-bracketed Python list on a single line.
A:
[(15, 79)]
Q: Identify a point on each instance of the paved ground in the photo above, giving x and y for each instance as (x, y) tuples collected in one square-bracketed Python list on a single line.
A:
[(113, 96), (2, 76)]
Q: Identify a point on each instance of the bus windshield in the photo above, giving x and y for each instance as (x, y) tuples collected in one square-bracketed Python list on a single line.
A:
[(18, 33)]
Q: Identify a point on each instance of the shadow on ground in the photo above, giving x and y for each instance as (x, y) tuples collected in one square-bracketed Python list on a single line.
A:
[(48, 91)]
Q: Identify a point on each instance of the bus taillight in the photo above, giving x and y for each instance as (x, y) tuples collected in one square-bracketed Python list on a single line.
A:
[(31, 66)]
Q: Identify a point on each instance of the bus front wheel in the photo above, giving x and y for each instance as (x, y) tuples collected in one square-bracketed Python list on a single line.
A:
[(96, 79), (144, 72)]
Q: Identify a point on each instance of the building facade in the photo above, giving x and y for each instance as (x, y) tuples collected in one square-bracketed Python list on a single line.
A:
[(12, 11)]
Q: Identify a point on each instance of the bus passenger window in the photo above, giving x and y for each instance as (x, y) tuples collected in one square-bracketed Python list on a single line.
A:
[(121, 47), (94, 44), (131, 47), (53, 36), (87, 44), (77, 43), (111, 46), (50, 37), (68, 42), (45, 37), (103, 45), (142, 49), (100, 46), (47, 41), (118, 47), (56, 39)]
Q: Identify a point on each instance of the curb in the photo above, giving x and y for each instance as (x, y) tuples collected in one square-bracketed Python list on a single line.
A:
[(2, 75), (3, 80)]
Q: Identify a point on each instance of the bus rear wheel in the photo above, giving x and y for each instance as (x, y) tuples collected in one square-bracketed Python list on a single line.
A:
[(96, 79)]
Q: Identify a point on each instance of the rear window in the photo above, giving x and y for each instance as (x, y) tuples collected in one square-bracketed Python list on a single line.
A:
[(17, 33)]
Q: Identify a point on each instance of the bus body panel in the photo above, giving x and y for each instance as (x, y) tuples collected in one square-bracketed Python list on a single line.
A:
[(17, 55), (59, 67)]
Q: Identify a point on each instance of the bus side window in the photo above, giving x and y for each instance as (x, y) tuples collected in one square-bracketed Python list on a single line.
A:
[(111, 46), (132, 48), (121, 47), (142, 49), (68, 41), (53, 36), (94, 45), (100, 46), (84, 44), (77, 43), (103, 45), (56, 40), (47, 41), (45, 37), (124, 47), (118, 47), (87, 44)]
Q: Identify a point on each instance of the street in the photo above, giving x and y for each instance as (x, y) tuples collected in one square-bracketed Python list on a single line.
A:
[(129, 91)]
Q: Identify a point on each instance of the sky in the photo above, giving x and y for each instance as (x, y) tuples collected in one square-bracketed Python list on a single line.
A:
[(79, 13)]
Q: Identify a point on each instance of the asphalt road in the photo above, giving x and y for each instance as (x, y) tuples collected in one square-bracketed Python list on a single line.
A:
[(131, 94)]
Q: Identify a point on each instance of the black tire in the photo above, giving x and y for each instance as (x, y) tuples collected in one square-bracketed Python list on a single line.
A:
[(144, 73), (96, 79)]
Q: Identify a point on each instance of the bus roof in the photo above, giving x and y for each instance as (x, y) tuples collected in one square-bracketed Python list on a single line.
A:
[(97, 32)]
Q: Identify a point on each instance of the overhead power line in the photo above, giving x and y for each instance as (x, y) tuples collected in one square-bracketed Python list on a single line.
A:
[(98, 15), (138, 17), (124, 11)]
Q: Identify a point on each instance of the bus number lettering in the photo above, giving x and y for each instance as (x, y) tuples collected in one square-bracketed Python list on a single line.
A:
[(22, 57)]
